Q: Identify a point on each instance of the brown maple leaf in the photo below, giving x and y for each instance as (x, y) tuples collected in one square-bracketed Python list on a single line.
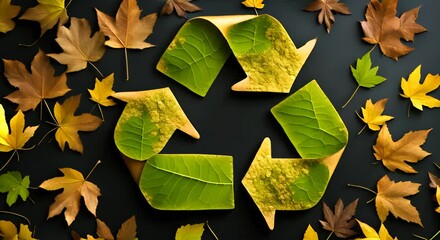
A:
[(390, 198), (394, 154), (434, 181), (75, 187), (326, 7), (383, 27), (341, 221), (180, 6), (127, 30), (35, 86)]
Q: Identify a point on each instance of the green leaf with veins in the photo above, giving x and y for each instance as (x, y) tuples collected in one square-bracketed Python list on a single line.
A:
[(14, 185), (188, 182), (310, 186)]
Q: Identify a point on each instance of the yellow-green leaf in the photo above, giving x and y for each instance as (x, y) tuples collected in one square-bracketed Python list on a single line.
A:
[(190, 232)]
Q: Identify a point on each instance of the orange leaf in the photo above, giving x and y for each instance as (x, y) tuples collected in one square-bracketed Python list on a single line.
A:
[(180, 6)]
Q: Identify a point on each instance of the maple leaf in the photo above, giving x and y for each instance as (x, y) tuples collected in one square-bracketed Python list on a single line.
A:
[(103, 90), (383, 27), (341, 221), (79, 48), (326, 7), (35, 86), (390, 198), (253, 4), (394, 154), (7, 13), (310, 234), (75, 187), (14, 185), (127, 30), (434, 182), (180, 6), (47, 13), (371, 234), (126, 232), (416, 92), (8, 231), (190, 231), (69, 124), (373, 114)]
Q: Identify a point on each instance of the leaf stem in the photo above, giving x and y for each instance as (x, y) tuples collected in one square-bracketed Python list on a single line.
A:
[(18, 215), (100, 110), (96, 164), (255, 9), (45, 135), (435, 235), (67, 5), (96, 68), (6, 164), (419, 237), (126, 65), (352, 95), (30, 45), (361, 187), (437, 165), (50, 112), (359, 133), (329, 236), (212, 232)]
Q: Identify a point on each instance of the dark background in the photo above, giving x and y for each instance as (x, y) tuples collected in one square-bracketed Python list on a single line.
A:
[(230, 123)]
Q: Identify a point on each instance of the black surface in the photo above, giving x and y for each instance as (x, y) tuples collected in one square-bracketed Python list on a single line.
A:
[(230, 123)]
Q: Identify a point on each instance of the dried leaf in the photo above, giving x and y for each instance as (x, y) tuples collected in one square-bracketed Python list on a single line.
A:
[(74, 186), (103, 90), (437, 197), (47, 13), (103, 231), (416, 92), (8, 231), (180, 6), (190, 232), (390, 198), (383, 27), (79, 48), (373, 114), (253, 4), (341, 221), (394, 155), (371, 234), (7, 13), (127, 230), (14, 185), (310, 234), (326, 7), (69, 124), (434, 181), (35, 86)]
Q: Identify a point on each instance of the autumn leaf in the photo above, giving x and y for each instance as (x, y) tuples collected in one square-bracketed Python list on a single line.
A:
[(103, 89), (434, 182), (35, 86), (416, 92), (341, 221), (395, 154), (371, 234), (8, 231), (180, 6), (127, 30), (326, 7), (79, 48), (13, 184), (373, 114), (364, 75), (68, 124), (310, 234), (75, 187), (7, 13), (253, 4), (190, 231), (126, 232), (383, 27), (390, 198), (48, 13)]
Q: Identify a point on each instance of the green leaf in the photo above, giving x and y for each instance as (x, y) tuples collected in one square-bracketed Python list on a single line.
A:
[(311, 122), (250, 36), (364, 74), (310, 186), (14, 185), (188, 182), (190, 232), (195, 57)]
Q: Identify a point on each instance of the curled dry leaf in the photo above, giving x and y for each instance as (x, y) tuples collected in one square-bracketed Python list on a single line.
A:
[(180, 6), (340, 222), (7, 13), (326, 7)]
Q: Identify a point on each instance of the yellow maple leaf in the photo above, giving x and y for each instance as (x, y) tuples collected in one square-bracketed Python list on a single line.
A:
[(74, 186), (373, 114), (310, 234), (103, 90), (8, 231), (47, 13), (394, 154), (371, 234), (69, 124), (16, 138), (7, 13), (390, 198), (254, 3), (416, 92)]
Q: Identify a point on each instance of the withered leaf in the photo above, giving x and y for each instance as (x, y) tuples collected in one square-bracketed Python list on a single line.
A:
[(7, 13), (326, 7), (341, 221), (47, 13), (180, 6)]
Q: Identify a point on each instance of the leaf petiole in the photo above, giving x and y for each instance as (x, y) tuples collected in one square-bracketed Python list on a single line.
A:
[(351, 97), (18, 215), (7, 162), (329, 236), (362, 187), (212, 232), (96, 164), (126, 65), (96, 68)]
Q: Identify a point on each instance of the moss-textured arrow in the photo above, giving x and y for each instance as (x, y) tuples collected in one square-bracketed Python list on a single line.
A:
[(318, 134), (260, 43)]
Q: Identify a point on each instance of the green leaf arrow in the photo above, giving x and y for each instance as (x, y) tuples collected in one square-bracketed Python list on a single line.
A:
[(261, 45), (148, 122), (320, 137), (14, 185)]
